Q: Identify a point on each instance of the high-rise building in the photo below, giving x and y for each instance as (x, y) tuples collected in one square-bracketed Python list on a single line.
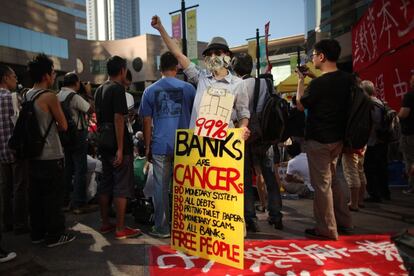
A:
[(112, 19), (77, 8), (333, 19)]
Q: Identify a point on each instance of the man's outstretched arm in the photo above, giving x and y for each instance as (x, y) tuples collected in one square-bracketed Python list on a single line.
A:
[(171, 45)]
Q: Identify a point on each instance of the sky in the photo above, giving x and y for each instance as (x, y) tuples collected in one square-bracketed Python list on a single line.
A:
[(235, 20)]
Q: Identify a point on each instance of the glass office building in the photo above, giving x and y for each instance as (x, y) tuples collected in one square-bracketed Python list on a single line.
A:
[(112, 19)]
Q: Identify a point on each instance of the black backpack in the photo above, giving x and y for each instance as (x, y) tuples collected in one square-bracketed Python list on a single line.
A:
[(143, 210), (69, 138), (390, 130), (269, 125), (27, 140), (359, 122)]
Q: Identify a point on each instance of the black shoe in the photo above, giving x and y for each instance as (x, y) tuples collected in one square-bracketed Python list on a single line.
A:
[(62, 239), (345, 230), (84, 209), (387, 197), (6, 256), (277, 223), (260, 208), (311, 232), (373, 199), (21, 230), (252, 226)]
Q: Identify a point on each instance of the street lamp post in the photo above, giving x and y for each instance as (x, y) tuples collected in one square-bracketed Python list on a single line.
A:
[(183, 26)]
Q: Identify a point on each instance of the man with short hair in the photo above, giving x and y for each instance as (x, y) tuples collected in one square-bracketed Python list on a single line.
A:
[(117, 162), (12, 171), (406, 115), (256, 157), (46, 184), (325, 127), (75, 155), (376, 155), (166, 105)]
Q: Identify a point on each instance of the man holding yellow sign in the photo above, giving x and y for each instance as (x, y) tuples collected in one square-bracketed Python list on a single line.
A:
[(218, 91)]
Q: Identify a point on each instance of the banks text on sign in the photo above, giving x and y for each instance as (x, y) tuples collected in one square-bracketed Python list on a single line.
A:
[(208, 197)]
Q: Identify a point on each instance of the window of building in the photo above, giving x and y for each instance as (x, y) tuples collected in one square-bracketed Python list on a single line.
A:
[(28, 40), (80, 26), (71, 11)]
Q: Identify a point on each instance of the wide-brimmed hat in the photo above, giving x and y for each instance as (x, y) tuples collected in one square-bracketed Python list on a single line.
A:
[(217, 42)]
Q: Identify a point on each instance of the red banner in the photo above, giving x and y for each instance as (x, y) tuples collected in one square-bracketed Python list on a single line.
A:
[(391, 75), (352, 255), (387, 25)]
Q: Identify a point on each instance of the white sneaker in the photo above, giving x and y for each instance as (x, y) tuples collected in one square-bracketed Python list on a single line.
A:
[(6, 256)]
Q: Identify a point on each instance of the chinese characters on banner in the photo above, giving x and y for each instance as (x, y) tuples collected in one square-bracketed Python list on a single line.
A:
[(381, 47), (352, 255), (192, 49), (208, 197), (215, 113), (391, 75)]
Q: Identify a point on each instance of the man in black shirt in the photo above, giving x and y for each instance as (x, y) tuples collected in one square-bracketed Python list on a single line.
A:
[(325, 103), (406, 116), (117, 161)]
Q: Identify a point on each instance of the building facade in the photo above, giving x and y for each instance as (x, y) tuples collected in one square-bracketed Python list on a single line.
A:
[(282, 55), (333, 19), (76, 8), (28, 27), (112, 19)]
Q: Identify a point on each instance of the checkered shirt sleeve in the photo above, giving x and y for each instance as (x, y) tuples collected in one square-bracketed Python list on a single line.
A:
[(6, 126)]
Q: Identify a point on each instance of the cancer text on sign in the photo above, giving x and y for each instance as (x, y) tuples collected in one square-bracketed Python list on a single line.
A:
[(208, 197)]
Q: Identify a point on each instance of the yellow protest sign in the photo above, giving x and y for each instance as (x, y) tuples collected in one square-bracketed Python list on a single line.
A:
[(208, 197), (215, 113)]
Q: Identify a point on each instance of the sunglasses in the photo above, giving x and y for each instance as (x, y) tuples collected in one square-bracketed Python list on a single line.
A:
[(216, 52)]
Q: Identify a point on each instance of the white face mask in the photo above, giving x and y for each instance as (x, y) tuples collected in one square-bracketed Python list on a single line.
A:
[(215, 63)]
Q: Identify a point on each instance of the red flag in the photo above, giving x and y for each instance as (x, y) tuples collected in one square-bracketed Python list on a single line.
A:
[(269, 66)]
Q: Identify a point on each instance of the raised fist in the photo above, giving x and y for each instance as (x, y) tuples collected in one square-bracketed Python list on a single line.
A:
[(156, 22)]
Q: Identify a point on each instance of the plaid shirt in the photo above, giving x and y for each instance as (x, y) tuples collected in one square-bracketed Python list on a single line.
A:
[(6, 126)]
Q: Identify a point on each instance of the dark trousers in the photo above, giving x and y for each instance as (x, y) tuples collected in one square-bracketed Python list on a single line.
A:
[(75, 172), (376, 171), (15, 194), (46, 191), (274, 200)]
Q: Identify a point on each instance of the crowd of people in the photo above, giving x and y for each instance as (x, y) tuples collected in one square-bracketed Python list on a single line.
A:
[(121, 153)]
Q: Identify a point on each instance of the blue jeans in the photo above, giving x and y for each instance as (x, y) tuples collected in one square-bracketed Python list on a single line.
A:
[(162, 181), (76, 168), (274, 201)]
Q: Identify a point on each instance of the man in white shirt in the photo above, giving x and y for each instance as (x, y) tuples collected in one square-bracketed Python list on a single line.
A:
[(297, 179)]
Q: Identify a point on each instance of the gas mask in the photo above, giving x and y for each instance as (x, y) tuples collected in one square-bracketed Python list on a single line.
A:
[(213, 64)]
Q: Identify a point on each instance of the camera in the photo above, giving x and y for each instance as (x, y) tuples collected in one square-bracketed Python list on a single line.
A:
[(303, 68)]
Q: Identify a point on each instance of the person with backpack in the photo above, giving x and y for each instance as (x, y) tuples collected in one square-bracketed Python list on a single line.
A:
[(46, 170), (116, 149), (376, 155), (406, 115), (325, 127), (255, 150), (75, 142)]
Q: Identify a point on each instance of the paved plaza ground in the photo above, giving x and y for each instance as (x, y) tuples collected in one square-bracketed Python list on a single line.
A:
[(95, 254)]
